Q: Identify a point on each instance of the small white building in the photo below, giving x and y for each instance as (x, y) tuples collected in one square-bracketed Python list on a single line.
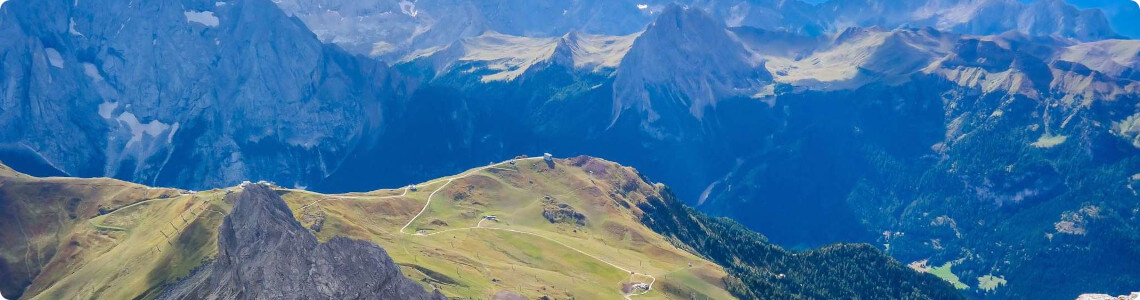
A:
[(548, 157)]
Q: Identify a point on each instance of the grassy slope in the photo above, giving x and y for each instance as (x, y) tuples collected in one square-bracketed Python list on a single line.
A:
[(60, 246), (125, 253), (491, 260), (79, 253)]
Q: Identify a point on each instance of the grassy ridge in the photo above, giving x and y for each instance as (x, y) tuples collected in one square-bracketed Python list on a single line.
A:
[(552, 258), (129, 241), (580, 228), (72, 238)]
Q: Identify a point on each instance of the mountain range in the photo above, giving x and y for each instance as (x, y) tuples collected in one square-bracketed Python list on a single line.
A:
[(996, 137), (391, 29)]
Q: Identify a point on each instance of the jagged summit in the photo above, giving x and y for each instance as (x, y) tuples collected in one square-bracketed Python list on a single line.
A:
[(264, 253), (592, 53), (500, 57), (688, 57)]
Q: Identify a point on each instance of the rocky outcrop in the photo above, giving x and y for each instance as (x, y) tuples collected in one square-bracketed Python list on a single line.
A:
[(264, 253), (559, 212), (685, 57)]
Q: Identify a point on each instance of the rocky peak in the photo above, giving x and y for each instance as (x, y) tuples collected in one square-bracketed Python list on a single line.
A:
[(591, 53), (568, 45), (264, 253), (688, 56)]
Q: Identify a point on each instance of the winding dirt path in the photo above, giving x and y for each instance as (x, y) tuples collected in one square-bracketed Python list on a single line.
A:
[(479, 225)]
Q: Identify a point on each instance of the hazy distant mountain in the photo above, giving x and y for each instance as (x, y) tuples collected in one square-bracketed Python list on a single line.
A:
[(391, 29), (1123, 14)]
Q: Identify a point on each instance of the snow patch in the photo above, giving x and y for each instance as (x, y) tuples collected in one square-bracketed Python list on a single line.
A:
[(1050, 141), (382, 47), (409, 8), (71, 28), (138, 129), (737, 14), (202, 17), (173, 129), (107, 108), (92, 71), (53, 57), (706, 192)]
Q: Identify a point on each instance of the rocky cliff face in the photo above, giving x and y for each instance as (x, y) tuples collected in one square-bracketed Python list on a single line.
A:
[(138, 90), (688, 58), (264, 253)]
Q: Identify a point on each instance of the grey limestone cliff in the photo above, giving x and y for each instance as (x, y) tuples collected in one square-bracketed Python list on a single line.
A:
[(264, 253)]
